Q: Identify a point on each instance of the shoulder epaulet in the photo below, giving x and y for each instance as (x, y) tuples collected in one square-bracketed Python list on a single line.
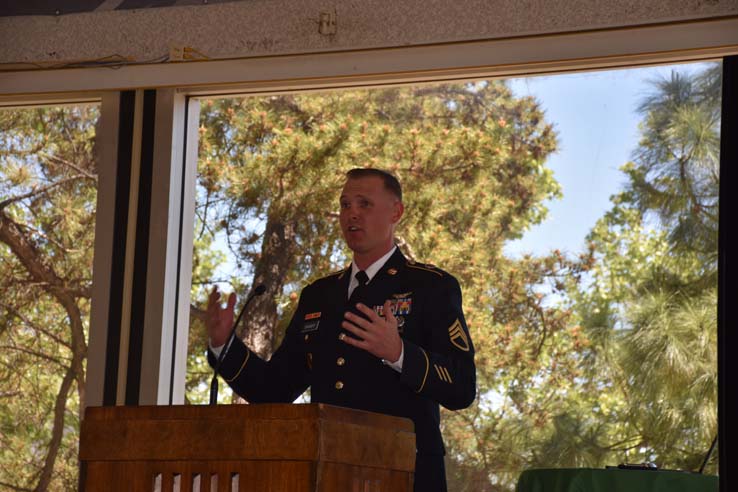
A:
[(424, 266), (338, 274)]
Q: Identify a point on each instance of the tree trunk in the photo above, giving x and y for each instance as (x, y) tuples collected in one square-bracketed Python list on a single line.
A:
[(60, 408), (277, 257), (40, 270)]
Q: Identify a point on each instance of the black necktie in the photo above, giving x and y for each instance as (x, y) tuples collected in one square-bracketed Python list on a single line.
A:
[(362, 278)]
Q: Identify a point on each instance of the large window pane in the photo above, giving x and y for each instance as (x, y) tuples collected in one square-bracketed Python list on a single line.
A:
[(579, 213), (48, 190)]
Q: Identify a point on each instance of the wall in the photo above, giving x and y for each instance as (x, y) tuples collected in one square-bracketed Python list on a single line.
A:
[(275, 27)]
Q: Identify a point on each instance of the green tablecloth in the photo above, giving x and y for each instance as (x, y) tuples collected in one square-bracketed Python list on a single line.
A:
[(613, 480)]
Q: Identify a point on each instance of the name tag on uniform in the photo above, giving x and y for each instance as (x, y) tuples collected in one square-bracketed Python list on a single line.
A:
[(312, 321)]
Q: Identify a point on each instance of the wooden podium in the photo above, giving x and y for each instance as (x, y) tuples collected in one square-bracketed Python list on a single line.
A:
[(255, 448)]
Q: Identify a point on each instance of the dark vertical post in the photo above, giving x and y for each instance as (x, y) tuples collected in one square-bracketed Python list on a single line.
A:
[(120, 228), (727, 271), (141, 252)]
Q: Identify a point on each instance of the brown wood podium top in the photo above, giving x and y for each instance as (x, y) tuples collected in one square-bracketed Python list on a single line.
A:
[(264, 447)]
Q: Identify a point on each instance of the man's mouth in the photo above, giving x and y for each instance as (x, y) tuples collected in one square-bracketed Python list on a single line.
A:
[(353, 229)]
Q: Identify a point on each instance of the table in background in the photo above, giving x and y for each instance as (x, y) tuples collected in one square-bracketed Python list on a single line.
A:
[(614, 480)]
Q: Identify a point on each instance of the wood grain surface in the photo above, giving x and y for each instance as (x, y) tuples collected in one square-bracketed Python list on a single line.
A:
[(271, 448)]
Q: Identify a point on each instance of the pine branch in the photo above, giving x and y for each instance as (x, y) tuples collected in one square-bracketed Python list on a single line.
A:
[(33, 260), (38, 191), (40, 355), (45, 237), (34, 325), (616, 445), (39, 269), (67, 163), (15, 487)]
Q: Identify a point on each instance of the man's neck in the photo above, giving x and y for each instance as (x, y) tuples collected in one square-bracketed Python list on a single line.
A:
[(365, 261)]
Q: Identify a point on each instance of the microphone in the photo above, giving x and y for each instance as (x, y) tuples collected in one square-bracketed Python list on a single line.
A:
[(259, 290)]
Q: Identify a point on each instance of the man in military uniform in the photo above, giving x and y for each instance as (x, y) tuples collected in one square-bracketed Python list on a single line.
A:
[(386, 334)]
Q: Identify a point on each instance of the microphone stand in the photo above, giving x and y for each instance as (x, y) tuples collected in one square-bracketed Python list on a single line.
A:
[(259, 290), (707, 458)]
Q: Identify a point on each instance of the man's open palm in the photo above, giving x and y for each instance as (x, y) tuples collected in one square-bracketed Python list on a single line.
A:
[(219, 320)]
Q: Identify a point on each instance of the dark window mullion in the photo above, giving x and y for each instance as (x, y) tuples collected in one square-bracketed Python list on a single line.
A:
[(126, 114), (727, 271), (140, 262)]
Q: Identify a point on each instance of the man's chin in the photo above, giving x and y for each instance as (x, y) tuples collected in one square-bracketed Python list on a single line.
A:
[(357, 248), (353, 243)]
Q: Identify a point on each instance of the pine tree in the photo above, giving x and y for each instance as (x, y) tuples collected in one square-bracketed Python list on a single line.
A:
[(471, 158), (650, 309)]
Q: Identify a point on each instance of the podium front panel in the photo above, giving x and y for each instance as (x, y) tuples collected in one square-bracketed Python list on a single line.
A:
[(274, 448)]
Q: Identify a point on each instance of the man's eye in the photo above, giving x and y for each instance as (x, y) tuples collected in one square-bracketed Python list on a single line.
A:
[(344, 205), (364, 203)]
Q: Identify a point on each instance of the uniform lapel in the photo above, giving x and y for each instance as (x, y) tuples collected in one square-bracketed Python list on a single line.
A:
[(341, 287)]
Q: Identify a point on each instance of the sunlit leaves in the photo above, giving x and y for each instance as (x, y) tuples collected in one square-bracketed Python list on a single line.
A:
[(471, 158), (48, 188), (649, 304)]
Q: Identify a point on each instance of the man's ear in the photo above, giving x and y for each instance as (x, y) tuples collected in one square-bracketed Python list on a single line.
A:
[(399, 209)]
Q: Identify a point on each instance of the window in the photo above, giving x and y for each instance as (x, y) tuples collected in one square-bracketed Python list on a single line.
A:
[(579, 213), (48, 191)]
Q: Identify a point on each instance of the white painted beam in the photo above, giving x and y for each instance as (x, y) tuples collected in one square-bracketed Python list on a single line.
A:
[(478, 59)]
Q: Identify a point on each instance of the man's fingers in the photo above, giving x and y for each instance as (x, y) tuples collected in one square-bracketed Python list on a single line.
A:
[(374, 317), (387, 311), (368, 311), (355, 342), (359, 332), (358, 320), (231, 301), (213, 297)]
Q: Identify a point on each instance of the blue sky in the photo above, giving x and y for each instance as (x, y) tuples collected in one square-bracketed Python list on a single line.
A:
[(595, 116)]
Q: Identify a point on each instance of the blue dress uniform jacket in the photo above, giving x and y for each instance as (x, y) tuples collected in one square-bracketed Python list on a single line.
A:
[(438, 366)]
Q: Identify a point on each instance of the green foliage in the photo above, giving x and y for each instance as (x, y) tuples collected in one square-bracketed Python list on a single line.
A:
[(48, 190), (649, 307), (471, 159), (606, 357), (677, 165)]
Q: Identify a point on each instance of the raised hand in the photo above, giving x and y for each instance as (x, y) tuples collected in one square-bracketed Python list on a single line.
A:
[(219, 320)]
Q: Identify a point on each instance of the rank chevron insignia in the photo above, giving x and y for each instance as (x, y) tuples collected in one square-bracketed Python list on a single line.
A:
[(458, 337)]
